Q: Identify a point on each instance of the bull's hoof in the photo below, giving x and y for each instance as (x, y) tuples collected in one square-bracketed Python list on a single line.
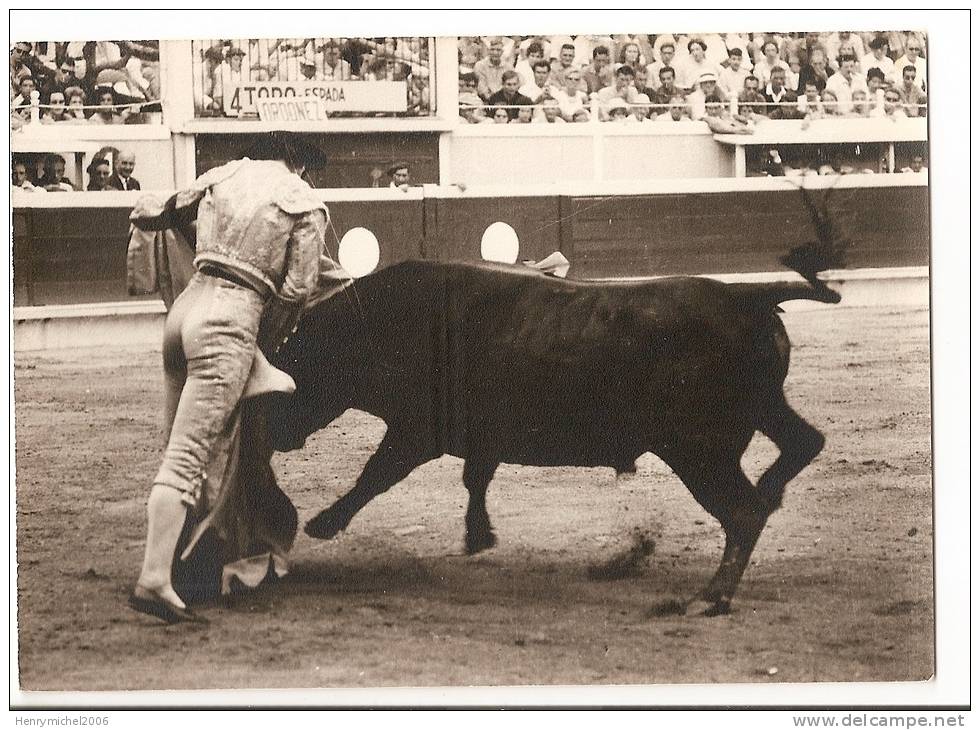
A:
[(325, 525), (478, 542)]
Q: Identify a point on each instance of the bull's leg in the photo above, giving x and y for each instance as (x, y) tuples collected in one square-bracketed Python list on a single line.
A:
[(798, 442), (721, 487), (479, 532), (394, 460)]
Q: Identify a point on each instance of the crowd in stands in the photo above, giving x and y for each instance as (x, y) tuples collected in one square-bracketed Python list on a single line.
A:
[(730, 81), (109, 169), (78, 82), (221, 65)]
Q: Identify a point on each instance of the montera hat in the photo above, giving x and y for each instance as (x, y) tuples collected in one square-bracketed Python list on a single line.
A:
[(293, 147)]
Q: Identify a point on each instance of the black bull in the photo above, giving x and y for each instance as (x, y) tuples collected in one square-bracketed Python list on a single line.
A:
[(497, 364)]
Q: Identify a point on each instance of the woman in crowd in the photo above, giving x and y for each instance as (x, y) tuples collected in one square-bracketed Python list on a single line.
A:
[(99, 172), (500, 116), (109, 111), (57, 110), (76, 106), (630, 56), (829, 100)]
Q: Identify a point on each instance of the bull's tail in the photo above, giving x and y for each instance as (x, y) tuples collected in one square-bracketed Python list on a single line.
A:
[(771, 294), (808, 260)]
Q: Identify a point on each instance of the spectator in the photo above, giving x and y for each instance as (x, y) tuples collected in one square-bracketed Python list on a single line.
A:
[(731, 80), (570, 98), (667, 89), (893, 105), (640, 82), (720, 120), (20, 104), (770, 60), (307, 70), (538, 89), (815, 70), (471, 50), (861, 104), (911, 91), (677, 111), (401, 177), (20, 54), (223, 80), (467, 83), (585, 44), (844, 82), (109, 111), (913, 57), (66, 76), (780, 100), (831, 104), (57, 110), (19, 179), (581, 115), (550, 113), (707, 92), (525, 67), (53, 179), (335, 68), (565, 64), (689, 70), (845, 43), (501, 115), (617, 109), (622, 88), (666, 59), (640, 109), (598, 74), (793, 74), (875, 82), (122, 178), (916, 164), (629, 55), (524, 115), (809, 104), (751, 102), (878, 59), (76, 104), (99, 172), (490, 70), (508, 95)]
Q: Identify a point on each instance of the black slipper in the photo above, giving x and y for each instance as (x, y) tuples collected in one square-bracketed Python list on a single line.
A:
[(164, 610)]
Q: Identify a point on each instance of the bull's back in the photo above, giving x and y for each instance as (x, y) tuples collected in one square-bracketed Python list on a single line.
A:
[(539, 370)]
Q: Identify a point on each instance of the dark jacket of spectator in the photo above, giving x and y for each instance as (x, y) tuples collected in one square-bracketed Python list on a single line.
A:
[(775, 102), (808, 74), (500, 99), (115, 182)]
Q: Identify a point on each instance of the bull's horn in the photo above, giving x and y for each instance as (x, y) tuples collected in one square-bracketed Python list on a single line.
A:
[(264, 378)]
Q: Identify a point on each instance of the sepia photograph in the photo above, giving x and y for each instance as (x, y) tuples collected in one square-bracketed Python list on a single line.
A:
[(347, 367)]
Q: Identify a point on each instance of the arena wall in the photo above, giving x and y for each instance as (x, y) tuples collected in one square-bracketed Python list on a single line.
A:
[(73, 250)]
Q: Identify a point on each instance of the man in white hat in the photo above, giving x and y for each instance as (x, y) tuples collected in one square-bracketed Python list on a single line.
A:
[(707, 91)]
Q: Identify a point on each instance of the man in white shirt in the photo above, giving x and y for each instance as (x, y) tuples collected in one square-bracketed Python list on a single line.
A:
[(525, 67), (622, 88), (913, 57), (537, 89), (845, 82), (731, 80), (334, 67), (879, 59), (666, 59)]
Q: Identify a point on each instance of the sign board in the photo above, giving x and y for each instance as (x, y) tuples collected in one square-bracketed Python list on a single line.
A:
[(313, 100)]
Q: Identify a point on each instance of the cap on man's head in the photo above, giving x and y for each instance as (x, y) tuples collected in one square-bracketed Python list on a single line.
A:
[(735, 52), (396, 167), (235, 51), (707, 76)]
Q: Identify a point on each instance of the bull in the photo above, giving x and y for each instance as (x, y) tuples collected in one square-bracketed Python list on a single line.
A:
[(496, 364)]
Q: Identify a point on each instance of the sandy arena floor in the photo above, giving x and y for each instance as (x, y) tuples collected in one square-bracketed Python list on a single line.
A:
[(840, 587)]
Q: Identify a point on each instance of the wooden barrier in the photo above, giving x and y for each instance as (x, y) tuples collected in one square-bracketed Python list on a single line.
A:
[(72, 248)]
